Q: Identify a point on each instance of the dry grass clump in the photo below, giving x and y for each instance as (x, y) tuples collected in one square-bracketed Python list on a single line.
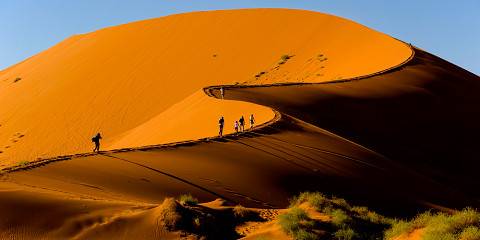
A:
[(345, 234), (470, 233), (187, 199), (464, 224), (315, 199), (297, 224), (242, 212), (169, 215)]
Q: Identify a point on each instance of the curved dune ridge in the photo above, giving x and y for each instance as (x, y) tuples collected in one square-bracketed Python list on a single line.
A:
[(380, 124), (120, 79)]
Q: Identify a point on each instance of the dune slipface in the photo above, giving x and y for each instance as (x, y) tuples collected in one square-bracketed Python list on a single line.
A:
[(340, 108)]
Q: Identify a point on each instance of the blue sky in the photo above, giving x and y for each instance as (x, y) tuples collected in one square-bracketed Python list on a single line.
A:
[(449, 29)]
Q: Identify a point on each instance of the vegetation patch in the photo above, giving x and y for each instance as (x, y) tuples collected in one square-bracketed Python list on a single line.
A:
[(463, 224), (297, 224), (313, 215), (346, 221), (17, 79), (188, 199), (170, 217), (243, 213), (345, 234)]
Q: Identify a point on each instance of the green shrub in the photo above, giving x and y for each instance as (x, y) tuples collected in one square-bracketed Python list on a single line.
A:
[(439, 226), (295, 222), (398, 228), (361, 211), (315, 199), (464, 218), (302, 234), (470, 233), (339, 217), (345, 234), (340, 202), (188, 199)]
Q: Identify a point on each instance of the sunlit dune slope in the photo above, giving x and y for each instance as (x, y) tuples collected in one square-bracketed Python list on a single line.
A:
[(120, 79), (192, 118)]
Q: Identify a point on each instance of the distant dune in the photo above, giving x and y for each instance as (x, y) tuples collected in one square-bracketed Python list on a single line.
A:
[(340, 108)]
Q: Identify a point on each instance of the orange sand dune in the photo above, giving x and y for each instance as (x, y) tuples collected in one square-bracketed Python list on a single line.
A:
[(399, 139), (119, 79)]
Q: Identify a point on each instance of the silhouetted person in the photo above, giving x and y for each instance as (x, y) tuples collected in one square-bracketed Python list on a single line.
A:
[(221, 122), (235, 125), (252, 121), (242, 124), (222, 93), (96, 140)]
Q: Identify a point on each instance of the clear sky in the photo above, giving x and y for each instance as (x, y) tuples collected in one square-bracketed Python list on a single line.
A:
[(447, 28)]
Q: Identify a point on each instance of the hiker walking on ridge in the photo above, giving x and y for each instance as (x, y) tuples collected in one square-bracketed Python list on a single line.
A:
[(221, 122), (96, 140), (252, 121), (235, 125), (242, 124), (222, 93)]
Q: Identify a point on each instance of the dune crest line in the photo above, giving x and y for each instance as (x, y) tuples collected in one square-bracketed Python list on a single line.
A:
[(209, 91)]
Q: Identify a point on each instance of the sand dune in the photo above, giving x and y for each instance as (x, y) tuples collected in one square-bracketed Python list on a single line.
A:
[(350, 112), (116, 79), (421, 115)]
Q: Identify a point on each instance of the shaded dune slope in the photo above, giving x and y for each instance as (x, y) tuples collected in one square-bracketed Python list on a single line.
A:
[(422, 115)]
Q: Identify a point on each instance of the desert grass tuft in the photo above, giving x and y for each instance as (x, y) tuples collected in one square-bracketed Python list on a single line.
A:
[(459, 225), (297, 224), (345, 234), (242, 212), (470, 233), (188, 199), (170, 217)]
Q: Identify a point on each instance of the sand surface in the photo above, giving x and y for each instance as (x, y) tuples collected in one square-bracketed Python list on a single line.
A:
[(121, 79), (376, 125)]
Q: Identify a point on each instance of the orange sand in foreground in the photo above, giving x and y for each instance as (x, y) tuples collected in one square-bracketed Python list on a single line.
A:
[(137, 78)]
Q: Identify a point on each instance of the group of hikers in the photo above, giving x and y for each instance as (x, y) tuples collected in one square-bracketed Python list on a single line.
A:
[(238, 125)]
